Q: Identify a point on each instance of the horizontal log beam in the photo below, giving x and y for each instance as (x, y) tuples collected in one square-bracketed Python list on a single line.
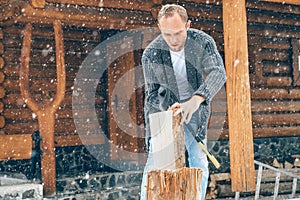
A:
[(19, 146), (85, 17), (295, 2), (15, 147), (278, 93), (131, 4), (78, 140)]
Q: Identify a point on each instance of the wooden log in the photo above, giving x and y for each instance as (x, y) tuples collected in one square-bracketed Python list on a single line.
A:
[(15, 146), (84, 17), (277, 68), (294, 2), (45, 32), (12, 56), (277, 81), (275, 119), (1, 62), (131, 4), (279, 93), (79, 140), (2, 92), (167, 139), (2, 121), (275, 56), (38, 3), (274, 106), (1, 48), (179, 184), (1, 33), (1, 107), (269, 31), (2, 77), (274, 18), (277, 8), (238, 96)]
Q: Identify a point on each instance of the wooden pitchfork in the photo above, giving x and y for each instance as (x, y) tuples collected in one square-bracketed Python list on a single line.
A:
[(45, 111)]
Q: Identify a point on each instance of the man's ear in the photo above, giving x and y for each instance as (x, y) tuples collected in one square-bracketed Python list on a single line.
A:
[(188, 24)]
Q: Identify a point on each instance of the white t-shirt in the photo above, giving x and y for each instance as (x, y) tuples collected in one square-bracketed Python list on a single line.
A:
[(178, 62)]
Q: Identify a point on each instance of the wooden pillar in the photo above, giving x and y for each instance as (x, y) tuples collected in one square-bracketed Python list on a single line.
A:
[(238, 96)]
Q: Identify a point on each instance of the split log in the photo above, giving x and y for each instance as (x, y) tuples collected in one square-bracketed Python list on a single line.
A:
[(1, 62), (179, 184), (1, 48), (2, 92), (2, 77), (2, 121), (1, 107), (38, 3), (167, 139)]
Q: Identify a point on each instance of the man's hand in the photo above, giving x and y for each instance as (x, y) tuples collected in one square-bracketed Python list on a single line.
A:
[(187, 108)]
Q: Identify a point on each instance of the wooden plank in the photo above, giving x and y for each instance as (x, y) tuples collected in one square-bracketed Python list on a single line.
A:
[(295, 2), (15, 146), (238, 96)]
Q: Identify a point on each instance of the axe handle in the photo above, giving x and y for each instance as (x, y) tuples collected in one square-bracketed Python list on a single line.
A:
[(209, 155)]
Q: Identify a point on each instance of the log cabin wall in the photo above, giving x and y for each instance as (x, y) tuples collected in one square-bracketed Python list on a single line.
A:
[(273, 31)]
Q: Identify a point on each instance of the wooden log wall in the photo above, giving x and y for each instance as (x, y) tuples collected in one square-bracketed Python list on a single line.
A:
[(19, 119)]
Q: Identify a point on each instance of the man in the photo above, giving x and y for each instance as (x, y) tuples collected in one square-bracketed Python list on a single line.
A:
[(183, 71)]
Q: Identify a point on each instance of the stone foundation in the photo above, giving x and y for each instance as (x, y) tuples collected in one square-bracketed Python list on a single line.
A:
[(120, 185)]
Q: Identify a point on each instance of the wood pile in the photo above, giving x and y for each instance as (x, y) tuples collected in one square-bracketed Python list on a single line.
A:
[(220, 183)]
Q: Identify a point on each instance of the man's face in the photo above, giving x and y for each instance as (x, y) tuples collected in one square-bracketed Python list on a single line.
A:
[(174, 31)]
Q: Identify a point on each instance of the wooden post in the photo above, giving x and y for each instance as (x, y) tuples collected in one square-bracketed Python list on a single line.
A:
[(238, 96), (170, 179), (45, 110)]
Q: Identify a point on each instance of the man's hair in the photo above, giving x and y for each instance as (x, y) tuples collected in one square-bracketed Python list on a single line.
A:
[(169, 10)]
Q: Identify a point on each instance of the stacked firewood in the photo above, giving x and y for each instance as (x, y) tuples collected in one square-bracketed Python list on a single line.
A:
[(220, 183)]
